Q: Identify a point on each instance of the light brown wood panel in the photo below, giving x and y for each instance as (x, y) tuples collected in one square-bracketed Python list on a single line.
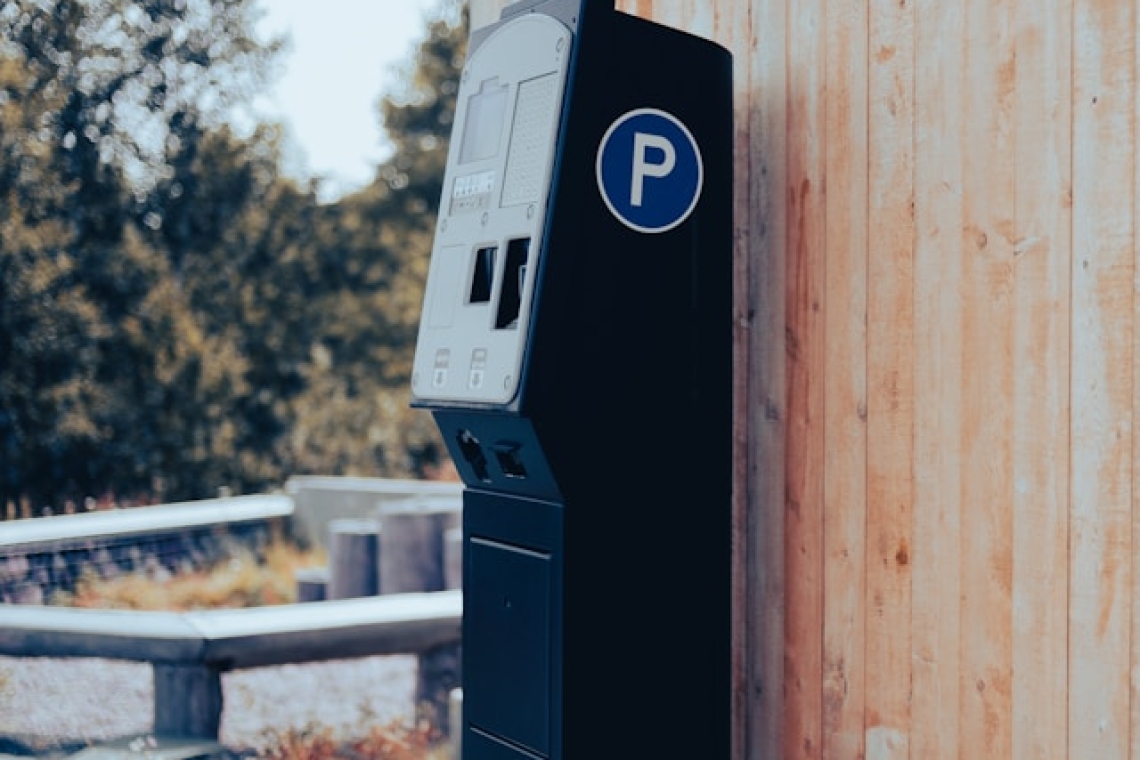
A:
[(1040, 423), (804, 333), (890, 378), (845, 385), (1103, 272), (985, 484), (1134, 549), (938, 287)]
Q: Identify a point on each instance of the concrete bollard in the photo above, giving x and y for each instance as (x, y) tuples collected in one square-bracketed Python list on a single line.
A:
[(412, 560), (455, 720), (437, 675), (412, 543), (453, 558), (187, 700), (353, 562), (312, 584)]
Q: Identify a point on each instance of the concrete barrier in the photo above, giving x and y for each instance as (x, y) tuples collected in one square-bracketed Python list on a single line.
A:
[(318, 500), (189, 651)]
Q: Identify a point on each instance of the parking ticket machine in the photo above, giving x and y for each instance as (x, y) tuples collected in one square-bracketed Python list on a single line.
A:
[(575, 351)]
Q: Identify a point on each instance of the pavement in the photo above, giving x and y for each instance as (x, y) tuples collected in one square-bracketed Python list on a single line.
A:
[(142, 747)]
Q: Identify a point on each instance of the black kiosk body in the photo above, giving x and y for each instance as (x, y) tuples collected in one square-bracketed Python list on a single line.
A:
[(575, 351)]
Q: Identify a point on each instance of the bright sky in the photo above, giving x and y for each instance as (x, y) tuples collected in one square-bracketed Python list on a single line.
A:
[(340, 64)]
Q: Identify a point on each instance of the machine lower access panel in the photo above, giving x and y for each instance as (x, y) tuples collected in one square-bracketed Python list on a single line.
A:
[(507, 645)]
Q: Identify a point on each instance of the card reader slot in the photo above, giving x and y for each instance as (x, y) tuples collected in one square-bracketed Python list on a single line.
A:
[(514, 279), (472, 452)]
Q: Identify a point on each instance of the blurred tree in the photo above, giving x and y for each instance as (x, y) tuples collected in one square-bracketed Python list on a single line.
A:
[(245, 237), (175, 315), (129, 77), (323, 301), (376, 245), (417, 116), (167, 421), (107, 383)]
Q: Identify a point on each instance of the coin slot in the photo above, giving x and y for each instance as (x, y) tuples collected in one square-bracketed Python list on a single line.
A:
[(482, 275)]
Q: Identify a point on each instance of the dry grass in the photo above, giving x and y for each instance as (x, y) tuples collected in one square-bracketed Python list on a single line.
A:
[(244, 580), (391, 742)]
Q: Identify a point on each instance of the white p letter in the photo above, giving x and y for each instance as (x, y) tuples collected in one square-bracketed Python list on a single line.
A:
[(642, 168)]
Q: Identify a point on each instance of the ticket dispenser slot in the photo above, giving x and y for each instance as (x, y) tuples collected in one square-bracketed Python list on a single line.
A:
[(575, 351)]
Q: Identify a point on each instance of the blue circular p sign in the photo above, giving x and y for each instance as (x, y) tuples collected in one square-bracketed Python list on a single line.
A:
[(649, 170)]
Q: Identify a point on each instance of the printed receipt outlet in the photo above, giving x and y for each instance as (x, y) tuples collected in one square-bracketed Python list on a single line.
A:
[(575, 351)]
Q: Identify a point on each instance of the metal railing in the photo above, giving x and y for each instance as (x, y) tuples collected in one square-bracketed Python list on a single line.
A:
[(42, 556)]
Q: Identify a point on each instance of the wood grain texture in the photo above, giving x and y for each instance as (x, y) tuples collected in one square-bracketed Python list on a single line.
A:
[(1040, 424), (766, 167), (987, 377), (1134, 680), (1102, 276), (939, 284), (845, 381), (890, 379), (804, 333)]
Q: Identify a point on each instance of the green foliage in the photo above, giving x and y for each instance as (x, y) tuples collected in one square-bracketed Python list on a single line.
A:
[(175, 314), (374, 248), (418, 117), (107, 381)]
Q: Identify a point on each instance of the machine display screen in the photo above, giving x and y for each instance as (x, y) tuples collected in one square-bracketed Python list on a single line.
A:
[(484, 126)]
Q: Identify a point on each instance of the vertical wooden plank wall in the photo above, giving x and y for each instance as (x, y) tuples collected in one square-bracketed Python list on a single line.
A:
[(844, 308), (1103, 286), (936, 375), (889, 365), (936, 556), (985, 246), (1041, 340), (802, 500), (762, 170)]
